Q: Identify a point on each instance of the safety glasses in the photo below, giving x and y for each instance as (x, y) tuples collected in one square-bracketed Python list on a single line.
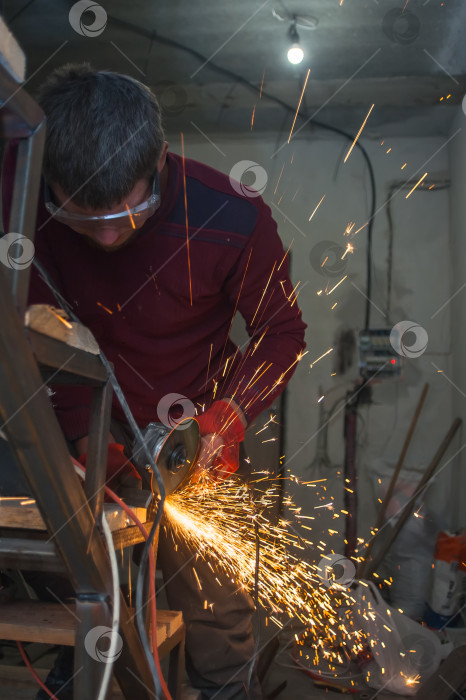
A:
[(129, 218)]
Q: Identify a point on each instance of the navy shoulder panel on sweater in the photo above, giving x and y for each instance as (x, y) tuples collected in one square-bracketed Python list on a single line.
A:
[(212, 202)]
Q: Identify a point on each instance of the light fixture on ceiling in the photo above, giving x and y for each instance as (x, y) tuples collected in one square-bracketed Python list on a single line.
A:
[(295, 53)]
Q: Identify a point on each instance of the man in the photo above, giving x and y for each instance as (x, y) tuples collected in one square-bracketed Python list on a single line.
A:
[(156, 254)]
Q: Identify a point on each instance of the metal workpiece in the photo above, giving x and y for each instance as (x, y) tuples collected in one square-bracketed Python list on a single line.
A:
[(174, 451)]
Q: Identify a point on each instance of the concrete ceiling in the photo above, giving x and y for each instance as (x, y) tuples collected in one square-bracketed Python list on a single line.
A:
[(199, 55)]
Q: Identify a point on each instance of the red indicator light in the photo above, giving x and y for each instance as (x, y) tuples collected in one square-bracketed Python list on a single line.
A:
[(393, 362)]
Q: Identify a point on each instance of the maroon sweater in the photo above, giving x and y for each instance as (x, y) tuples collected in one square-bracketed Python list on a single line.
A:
[(137, 303)]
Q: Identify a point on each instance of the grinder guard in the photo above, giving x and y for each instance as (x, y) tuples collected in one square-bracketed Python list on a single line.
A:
[(174, 451)]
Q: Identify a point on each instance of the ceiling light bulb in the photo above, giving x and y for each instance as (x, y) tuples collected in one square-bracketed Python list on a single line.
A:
[(295, 54)]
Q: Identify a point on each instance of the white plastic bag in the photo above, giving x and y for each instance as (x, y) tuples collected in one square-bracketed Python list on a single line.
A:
[(404, 653), (409, 561)]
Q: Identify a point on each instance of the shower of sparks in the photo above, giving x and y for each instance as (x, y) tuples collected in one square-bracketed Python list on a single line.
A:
[(349, 228), (208, 367), (337, 285), (262, 84), (317, 207), (358, 134), (252, 118), (130, 216), (285, 256), (109, 311), (360, 229), (224, 523), (320, 358), (266, 425), (416, 185), (60, 318), (349, 249), (279, 178), (263, 293), (299, 104), (403, 166), (186, 219)]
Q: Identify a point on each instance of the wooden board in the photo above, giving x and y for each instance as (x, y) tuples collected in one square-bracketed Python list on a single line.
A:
[(32, 621), (27, 516), (168, 622), (52, 623)]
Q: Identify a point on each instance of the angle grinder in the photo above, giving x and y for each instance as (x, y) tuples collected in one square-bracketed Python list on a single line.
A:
[(174, 451)]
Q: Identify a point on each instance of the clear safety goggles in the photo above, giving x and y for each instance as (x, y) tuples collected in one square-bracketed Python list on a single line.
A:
[(127, 219)]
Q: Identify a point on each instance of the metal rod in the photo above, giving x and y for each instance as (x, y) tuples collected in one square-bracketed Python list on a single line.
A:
[(24, 206), (408, 508), (350, 496), (96, 461), (393, 480)]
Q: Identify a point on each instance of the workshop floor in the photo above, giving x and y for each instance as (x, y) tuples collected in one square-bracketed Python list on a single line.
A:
[(18, 685)]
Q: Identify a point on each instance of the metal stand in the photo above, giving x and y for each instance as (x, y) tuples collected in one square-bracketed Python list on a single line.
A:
[(350, 473), (71, 514)]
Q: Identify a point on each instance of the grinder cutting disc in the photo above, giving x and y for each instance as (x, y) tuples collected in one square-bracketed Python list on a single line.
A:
[(178, 454), (174, 451)]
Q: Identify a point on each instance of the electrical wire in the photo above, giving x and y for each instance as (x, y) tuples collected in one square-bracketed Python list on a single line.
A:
[(152, 35), (152, 601), (394, 188), (32, 671), (116, 604), (113, 650)]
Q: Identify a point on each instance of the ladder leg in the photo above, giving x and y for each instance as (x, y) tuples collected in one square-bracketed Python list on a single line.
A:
[(92, 643)]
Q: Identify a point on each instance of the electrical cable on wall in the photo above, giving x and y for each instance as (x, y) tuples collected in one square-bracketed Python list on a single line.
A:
[(394, 188)]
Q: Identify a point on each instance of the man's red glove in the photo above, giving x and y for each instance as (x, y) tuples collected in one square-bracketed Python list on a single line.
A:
[(221, 419), (118, 466)]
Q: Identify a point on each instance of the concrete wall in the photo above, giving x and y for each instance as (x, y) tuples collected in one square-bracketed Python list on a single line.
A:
[(313, 166)]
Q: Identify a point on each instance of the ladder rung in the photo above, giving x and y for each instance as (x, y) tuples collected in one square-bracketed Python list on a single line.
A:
[(52, 623), (31, 555)]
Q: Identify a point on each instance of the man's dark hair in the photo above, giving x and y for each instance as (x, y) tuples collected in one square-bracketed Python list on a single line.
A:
[(104, 133)]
